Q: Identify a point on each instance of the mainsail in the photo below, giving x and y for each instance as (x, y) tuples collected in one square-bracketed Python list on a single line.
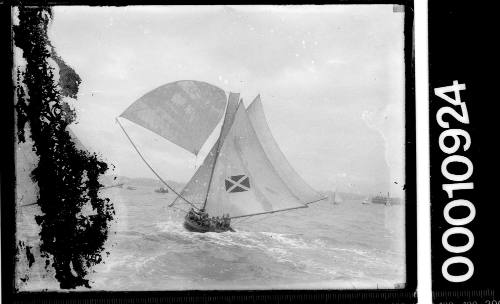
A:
[(244, 181), (196, 189), (295, 183), (183, 112)]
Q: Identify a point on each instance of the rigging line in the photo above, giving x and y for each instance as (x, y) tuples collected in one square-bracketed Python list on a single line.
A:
[(318, 200), (240, 216), (179, 209), (102, 188), (242, 220), (151, 168), (266, 216), (30, 204)]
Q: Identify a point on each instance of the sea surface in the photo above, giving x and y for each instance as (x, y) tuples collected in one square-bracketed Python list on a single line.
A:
[(349, 245)]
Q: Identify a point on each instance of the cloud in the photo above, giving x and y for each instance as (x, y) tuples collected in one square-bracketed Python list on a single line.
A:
[(336, 61)]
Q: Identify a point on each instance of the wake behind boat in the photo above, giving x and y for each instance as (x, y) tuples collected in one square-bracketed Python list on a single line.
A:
[(244, 174)]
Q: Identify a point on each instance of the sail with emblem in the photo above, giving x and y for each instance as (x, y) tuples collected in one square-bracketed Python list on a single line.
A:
[(196, 189), (295, 183), (244, 174), (244, 181), (184, 112)]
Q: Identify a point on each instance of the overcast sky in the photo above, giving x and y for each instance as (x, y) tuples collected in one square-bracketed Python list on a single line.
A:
[(331, 80)]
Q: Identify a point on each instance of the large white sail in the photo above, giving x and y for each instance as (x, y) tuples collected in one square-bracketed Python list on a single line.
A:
[(295, 183), (196, 189), (244, 181), (183, 112)]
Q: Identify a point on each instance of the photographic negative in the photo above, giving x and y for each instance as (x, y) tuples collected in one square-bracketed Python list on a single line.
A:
[(178, 148)]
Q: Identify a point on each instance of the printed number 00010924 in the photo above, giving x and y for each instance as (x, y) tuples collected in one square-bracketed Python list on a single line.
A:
[(459, 181)]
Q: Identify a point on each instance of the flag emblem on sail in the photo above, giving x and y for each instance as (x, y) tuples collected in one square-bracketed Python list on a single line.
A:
[(237, 183)]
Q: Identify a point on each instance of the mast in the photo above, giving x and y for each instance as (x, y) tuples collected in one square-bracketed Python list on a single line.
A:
[(228, 119), (149, 166), (215, 162)]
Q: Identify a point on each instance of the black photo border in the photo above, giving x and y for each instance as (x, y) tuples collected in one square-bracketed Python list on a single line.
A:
[(460, 33), (407, 294)]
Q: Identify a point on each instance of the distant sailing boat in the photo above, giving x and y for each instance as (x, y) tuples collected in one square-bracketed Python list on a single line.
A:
[(386, 200), (335, 198), (244, 174)]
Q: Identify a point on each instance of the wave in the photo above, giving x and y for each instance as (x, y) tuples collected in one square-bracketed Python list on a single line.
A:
[(281, 246), (173, 255)]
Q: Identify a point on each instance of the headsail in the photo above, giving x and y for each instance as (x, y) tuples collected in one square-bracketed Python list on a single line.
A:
[(295, 183), (183, 112), (244, 180), (196, 189)]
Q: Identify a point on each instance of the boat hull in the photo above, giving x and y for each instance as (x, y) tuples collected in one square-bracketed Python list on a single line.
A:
[(195, 227), (388, 201)]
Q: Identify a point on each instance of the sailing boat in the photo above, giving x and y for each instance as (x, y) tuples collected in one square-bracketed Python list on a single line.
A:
[(335, 198), (244, 174)]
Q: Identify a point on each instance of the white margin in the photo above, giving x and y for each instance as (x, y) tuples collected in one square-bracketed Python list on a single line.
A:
[(424, 280)]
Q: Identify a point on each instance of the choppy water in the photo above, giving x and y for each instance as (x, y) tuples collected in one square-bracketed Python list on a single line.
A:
[(349, 245)]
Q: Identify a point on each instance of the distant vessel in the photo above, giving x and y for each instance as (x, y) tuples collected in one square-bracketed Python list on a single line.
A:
[(386, 200), (131, 188), (244, 174), (119, 185), (161, 190), (335, 198)]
